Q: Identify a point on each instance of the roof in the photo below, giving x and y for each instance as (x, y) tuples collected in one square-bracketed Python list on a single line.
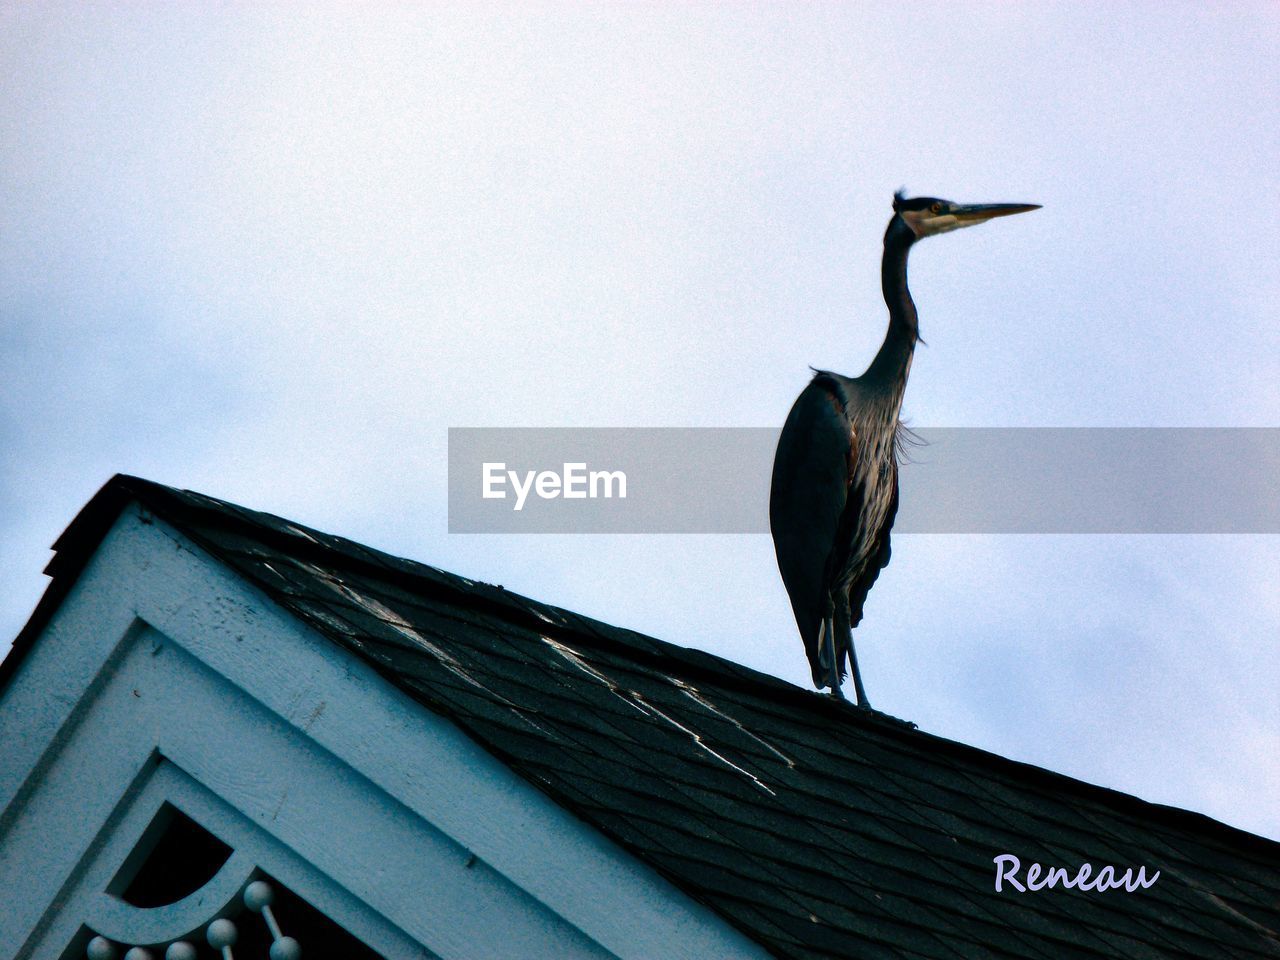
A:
[(815, 828)]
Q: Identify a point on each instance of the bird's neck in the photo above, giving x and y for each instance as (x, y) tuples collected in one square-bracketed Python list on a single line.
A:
[(892, 363)]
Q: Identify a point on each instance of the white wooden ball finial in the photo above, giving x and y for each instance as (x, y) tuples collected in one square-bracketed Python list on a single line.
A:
[(258, 895), (221, 933)]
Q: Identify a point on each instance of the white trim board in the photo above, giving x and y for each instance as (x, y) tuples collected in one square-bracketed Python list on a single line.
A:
[(163, 675)]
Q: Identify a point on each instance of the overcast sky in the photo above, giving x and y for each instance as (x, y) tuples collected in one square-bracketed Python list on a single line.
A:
[(272, 255)]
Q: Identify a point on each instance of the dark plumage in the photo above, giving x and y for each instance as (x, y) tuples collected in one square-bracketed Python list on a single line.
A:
[(834, 494)]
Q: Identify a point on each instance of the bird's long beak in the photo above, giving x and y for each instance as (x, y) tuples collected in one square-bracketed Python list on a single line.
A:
[(973, 213)]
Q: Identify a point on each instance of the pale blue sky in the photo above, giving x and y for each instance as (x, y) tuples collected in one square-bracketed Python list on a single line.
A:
[(274, 255)]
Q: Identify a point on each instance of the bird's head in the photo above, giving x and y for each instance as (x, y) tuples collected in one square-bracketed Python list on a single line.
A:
[(925, 216)]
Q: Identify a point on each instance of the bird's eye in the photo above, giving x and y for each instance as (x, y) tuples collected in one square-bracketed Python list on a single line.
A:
[(936, 208)]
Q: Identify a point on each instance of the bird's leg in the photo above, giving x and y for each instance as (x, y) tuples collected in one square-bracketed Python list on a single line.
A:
[(827, 651), (842, 623), (860, 693), (834, 679)]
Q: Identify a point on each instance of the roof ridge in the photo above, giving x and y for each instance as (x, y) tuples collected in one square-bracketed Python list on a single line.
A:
[(312, 543)]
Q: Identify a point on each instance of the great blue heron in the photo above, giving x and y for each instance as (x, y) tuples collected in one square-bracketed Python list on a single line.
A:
[(835, 475)]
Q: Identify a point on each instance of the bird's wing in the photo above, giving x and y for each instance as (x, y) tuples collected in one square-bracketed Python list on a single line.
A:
[(879, 558), (811, 475)]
